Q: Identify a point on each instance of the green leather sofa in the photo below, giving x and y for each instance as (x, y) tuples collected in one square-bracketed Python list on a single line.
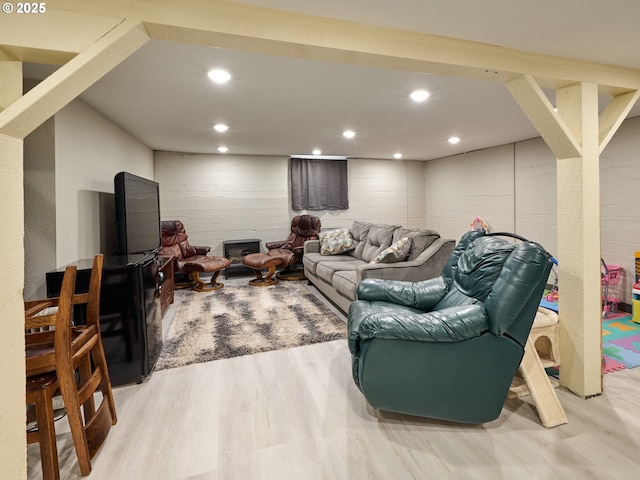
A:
[(449, 347)]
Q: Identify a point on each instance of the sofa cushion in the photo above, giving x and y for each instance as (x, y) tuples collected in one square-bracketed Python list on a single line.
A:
[(344, 281), (335, 242), (311, 260), (397, 252), (326, 269), (420, 239), (379, 238), (359, 232)]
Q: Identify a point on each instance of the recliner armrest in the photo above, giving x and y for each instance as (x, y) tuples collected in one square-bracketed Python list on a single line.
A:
[(422, 295), (201, 250), (276, 244), (453, 324)]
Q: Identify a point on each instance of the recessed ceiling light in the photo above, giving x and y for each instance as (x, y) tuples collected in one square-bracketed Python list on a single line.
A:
[(223, 149), (219, 76), (317, 151), (221, 127), (454, 140), (419, 95), (349, 133), (397, 155)]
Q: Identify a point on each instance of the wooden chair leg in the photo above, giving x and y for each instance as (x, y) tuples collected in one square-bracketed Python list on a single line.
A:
[(46, 434)]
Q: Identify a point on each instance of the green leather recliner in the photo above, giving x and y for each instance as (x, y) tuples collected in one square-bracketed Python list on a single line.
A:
[(449, 347)]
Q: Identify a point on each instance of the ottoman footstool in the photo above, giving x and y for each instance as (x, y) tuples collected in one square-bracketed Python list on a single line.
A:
[(207, 264), (260, 261)]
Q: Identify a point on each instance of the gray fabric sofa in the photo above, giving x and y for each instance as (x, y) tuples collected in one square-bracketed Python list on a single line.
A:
[(338, 276)]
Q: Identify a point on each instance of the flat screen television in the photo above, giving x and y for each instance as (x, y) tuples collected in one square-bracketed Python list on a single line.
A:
[(137, 214)]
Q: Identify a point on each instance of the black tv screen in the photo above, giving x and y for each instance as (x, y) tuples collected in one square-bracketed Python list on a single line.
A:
[(137, 214)]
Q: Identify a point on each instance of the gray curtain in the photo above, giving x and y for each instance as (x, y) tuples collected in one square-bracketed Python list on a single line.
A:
[(318, 184)]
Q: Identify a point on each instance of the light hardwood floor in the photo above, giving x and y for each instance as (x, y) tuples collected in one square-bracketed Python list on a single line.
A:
[(296, 414)]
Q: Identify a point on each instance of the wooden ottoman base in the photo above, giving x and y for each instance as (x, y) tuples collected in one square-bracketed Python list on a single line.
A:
[(260, 261), (200, 286), (212, 265)]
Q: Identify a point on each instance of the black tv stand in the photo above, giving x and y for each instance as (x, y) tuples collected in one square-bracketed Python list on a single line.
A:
[(130, 312)]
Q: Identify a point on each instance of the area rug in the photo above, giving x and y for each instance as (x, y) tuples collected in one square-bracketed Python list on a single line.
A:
[(620, 343), (243, 320)]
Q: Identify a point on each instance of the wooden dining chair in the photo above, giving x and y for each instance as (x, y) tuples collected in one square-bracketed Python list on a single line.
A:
[(76, 355), (41, 388)]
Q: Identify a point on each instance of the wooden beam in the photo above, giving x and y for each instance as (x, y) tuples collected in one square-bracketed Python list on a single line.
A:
[(246, 27), (11, 75), (54, 36), (44, 100), (12, 440), (538, 108), (614, 114), (578, 193)]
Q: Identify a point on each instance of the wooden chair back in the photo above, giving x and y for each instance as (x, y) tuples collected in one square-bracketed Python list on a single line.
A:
[(76, 355), (41, 388)]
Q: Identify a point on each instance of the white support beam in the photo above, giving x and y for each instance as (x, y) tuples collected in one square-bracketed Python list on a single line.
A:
[(578, 193), (11, 75), (53, 36), (61, 87), (614, 114), (247, 27), (538, 108), (12, 438)]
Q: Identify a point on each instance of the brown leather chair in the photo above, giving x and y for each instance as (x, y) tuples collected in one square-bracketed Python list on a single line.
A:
[(190, 260), (303, 228)]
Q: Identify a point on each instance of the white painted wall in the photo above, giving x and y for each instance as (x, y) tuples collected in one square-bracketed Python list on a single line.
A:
[(461, 187), (535, 193), (89, 151), (513, 187), (222, 197), (619, 205), (39, 209)]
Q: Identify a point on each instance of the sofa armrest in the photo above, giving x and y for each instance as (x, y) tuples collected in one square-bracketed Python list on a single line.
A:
[(454, 324), (312, 246), (421, 295), (429, 264)]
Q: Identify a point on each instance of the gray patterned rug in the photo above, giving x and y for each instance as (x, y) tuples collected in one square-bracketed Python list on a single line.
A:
[(242, 320)]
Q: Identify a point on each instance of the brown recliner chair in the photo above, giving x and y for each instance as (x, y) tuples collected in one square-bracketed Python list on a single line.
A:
[(303, 228), (190, 260)]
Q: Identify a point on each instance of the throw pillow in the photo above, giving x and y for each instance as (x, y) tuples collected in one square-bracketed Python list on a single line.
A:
[(395, 253), (335, 242), (420, 240)]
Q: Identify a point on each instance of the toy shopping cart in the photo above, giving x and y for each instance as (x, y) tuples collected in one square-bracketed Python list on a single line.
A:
[(611, 295)]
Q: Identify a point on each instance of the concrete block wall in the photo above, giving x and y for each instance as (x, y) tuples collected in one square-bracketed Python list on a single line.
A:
[(513, 187), (461, 187), (223, 197), (620, 201)]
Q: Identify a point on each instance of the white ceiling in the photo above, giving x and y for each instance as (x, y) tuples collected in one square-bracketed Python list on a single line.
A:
[(282, 106)]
